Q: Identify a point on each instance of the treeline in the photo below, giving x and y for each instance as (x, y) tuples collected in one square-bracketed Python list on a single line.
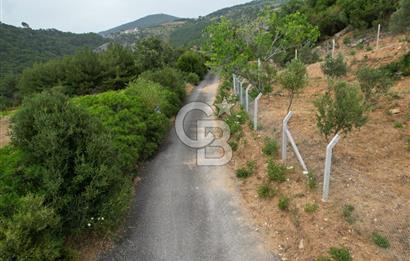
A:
[(88, 72), (332, 16), (70, 167), (22, 47)]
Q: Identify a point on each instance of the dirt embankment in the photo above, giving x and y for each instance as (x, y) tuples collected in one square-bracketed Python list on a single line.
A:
[(371, 172), (4, 132)]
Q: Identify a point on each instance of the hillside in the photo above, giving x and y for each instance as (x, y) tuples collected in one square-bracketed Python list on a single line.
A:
[(182, 32), (20, 47), (191, 32), (147, 21)]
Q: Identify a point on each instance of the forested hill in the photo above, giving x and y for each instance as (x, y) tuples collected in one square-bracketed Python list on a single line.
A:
[(22, 47), (191, 32), (147, 21)]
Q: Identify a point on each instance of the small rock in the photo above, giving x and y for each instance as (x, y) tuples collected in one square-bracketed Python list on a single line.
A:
[(301, 245), (395, 111)]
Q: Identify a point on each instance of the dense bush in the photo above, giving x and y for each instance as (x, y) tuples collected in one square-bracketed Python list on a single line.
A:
[(400, 21), (399, 68), (373, 82), (70, 161), (168, 77), (60, 175), (134, 119), (9, 95), (151, 53), (334, 67), (341, 112), (192, 78), (192, 62)]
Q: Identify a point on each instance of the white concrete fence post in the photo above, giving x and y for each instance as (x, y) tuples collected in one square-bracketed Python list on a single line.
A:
[(328, 167), (288, 138), (378, 36), (241, 93), (234, 82), (255, 112), (247, 97), (284, 136), (333, 48)]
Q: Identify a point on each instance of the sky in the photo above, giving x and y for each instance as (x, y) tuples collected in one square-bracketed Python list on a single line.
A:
[(81, 16)]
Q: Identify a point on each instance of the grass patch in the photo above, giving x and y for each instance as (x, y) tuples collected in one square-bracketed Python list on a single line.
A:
[(323, 258), (246, 171), (234, 145), (380, 240), (271, 147), (311, 180), (276, 172), (348, 213), (265, 191), (340, 254), (398, 125), (311, 208), (283, 203)]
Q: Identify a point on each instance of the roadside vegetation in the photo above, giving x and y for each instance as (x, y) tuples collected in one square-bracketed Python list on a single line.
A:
[(85, 125)]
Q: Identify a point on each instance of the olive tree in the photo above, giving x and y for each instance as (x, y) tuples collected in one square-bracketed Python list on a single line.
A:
[(373, 82), (341, 111), (294, 79)]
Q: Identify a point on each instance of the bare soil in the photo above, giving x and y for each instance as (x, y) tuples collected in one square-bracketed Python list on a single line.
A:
[(4, 132), (371, 171)]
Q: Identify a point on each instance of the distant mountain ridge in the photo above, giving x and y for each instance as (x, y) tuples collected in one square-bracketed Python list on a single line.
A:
[(145, 22), (22, 47)]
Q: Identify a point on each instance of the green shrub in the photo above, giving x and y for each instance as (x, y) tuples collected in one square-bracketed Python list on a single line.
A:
[(30, 231), (169, 78), (311, 208), (192, 62), (334, 67), (246, 171), (234, 145), (133, 119), (347, 40), (340, 254), (192, 78), (283, 203), (265, 191), (341, 113), (308, 55), (373, 82), (323, 258), (348, 213), (271, 147), (398, 125), (380, 240), (399, 21), (70, 159), (311, 180), (400, 67), (276, 172)]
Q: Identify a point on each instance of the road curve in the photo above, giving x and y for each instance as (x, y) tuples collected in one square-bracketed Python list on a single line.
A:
[(185, 212)]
